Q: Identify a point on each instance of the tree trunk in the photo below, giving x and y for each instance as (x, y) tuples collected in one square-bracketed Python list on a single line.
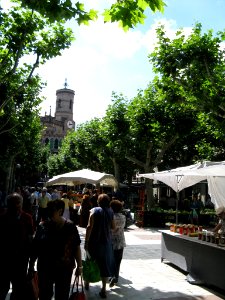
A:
[(149, 193), (149, 166), (9, 180), (116, 171)]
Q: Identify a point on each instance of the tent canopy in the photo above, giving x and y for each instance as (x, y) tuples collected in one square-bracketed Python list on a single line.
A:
[(181, 178), (83, 176)]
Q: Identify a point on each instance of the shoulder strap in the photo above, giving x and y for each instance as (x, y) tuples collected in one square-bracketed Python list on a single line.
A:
[(77, 279)]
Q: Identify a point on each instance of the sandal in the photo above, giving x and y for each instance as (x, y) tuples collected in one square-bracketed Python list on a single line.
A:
[(112, 282), (86, 285), (102, 294)]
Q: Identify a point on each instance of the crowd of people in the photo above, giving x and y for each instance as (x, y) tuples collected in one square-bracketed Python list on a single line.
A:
[(37, 233), (194, 205), (186, 203)]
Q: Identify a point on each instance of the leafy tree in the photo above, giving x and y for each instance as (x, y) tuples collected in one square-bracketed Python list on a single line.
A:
[(20, 144), (26, 40), (25, 33), (161, 134), (43, 156), (80, 149), (31, 34), (191, 73), (116, 134), (99, 144), (194, 66), (88, 144), (128, 13)]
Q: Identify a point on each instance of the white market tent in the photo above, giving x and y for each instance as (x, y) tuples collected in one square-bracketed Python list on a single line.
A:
[(181, 178), (83, 176)]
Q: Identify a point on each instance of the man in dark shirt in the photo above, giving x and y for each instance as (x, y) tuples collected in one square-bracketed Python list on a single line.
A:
[(16, 232), (56, 247), (94, 198)]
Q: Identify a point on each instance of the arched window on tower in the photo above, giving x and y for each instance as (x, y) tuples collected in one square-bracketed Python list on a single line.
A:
[(46, 141), (56, 144), (59, 103), (70, 104), (51, 143)]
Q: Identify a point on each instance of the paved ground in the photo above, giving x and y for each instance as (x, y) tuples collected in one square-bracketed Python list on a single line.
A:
[(144, 277)]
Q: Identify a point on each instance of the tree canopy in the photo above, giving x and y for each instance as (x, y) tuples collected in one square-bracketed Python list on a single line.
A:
[(176, 120), (128, 13), (192, 67), (26, 41), (33, 32)]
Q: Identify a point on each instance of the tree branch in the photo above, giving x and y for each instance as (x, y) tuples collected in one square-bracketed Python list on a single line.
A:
[(164, 149), (5, 124), (136, 161), (7, 130), (207, 70), (35, 65)]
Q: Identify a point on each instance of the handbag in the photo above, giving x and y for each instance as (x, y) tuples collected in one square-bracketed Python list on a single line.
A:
[(34, 283), (91, 272), (78, 294), (32, 290)]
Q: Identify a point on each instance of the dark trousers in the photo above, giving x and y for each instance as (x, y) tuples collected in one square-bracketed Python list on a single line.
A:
[(61, 277), (16, 274), (42, 214), (118, 255)]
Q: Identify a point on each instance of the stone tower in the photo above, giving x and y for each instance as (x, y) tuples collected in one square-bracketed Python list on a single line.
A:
[(64, 107), (56, 128)]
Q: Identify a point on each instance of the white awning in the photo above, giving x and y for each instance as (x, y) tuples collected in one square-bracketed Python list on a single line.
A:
[(83, 176), (181, 178)]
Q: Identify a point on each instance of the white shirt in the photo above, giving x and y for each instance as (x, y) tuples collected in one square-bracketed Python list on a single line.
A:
[(118, 237)]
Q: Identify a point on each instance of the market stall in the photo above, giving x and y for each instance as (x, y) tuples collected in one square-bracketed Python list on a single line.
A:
[(159, 218), (181, 178), (198, 254), (84, 176), (202, 260)]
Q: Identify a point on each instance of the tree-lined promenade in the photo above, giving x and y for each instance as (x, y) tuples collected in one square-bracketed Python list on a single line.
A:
[(177, 120)]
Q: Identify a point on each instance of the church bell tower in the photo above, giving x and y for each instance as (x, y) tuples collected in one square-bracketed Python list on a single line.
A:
[(64, 107)]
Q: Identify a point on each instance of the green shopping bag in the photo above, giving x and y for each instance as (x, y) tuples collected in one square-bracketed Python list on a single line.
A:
[(91, 271)]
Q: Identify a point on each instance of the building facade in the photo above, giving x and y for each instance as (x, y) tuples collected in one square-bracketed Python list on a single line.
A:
[(56, 128)]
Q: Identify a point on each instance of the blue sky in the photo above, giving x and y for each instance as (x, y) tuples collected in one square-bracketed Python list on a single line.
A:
[(104, 58)]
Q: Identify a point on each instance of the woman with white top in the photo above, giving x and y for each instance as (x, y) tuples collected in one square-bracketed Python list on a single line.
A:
[(118, 238)]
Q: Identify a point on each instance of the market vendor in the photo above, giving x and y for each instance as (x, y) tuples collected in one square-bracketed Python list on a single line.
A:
[(220, 212)]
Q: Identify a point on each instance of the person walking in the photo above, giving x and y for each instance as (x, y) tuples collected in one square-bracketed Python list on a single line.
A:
[(85, 211), (118, 238), (220, 226), (94, 198), (56, 247), (34, 203), (42, 206), (68, 203), (16, 233), (98, 240)]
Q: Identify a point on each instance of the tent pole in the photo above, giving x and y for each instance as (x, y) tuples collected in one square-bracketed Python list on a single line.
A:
[(177, 199), (179, 177)]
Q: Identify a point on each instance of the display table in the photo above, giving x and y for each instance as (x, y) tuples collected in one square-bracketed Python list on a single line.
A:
[(159, 219), (202, 260)]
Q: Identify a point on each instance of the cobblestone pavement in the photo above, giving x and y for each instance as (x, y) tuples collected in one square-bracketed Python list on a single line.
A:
[(143, 276)]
